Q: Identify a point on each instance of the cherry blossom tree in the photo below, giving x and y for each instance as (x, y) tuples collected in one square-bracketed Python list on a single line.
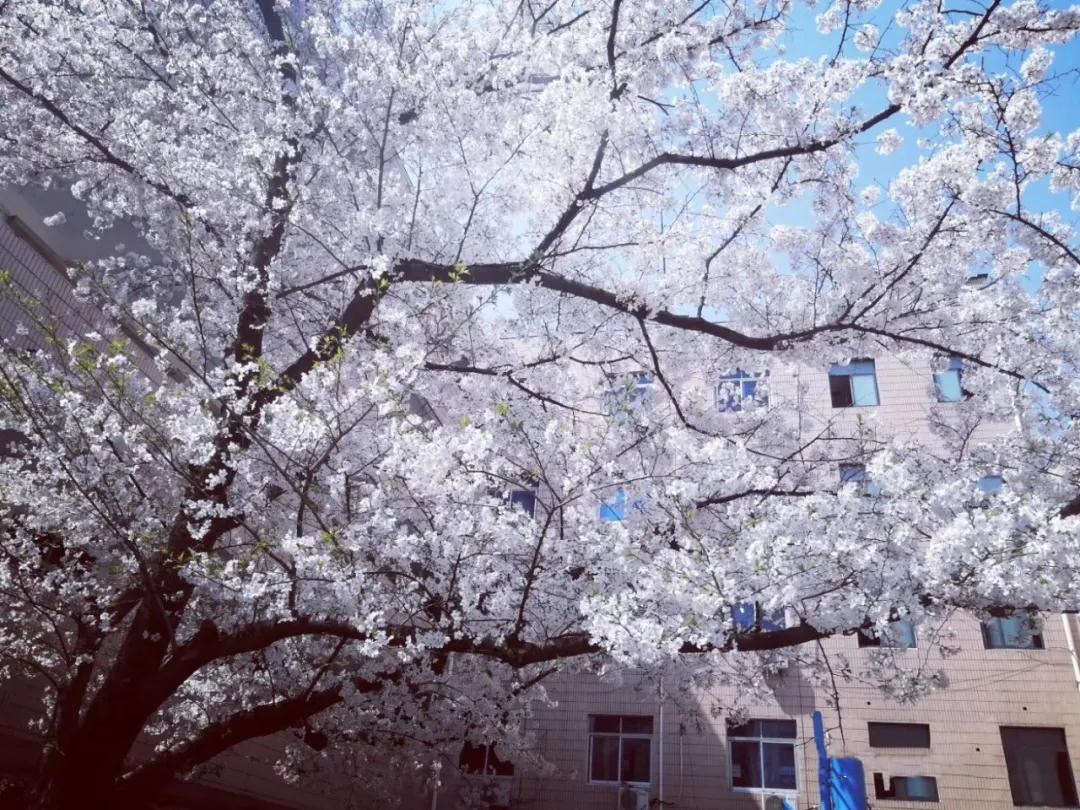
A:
[(427, 285)]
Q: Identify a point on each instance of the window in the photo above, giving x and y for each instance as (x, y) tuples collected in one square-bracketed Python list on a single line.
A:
[(615, 509), (734, 389), (628, 392), (481, 759), (907, 788), (899, 735), (524, 499), (1040, 772), (1011, 633), (857, 474), (990, 484), (749, 616), (620, 748), (948, 382), (853, 385), (763, 755), (899, 634)]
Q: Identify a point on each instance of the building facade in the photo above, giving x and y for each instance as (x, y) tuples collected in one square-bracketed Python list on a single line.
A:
[(1002, 729)]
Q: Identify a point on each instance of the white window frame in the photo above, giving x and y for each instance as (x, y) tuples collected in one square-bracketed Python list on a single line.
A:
[(621, 735), (739, 377), (792, 741), (850, 371)]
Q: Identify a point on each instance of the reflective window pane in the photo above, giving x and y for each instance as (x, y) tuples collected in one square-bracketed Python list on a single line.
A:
[(604, 759), (948, 386), (773, 621), (899, 634), (615, 509), (525, 500), (745, 764), (1014, 633), (864, 389), (991, 484), (744, 615), (779, 765), (751, 728), (608, 723), (1040, 771), (783, 729), (637, 725), (635, 759)]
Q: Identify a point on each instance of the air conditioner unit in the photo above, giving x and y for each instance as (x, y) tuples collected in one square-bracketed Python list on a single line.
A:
[(499, 792), (633, 798), (777, 801)]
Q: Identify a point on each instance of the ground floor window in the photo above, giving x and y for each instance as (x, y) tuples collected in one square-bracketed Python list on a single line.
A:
[(620, 748), (763, 754), (481, 759)]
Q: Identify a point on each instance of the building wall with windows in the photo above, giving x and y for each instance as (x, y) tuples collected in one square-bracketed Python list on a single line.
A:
[(1001, 713), (1002, 731)]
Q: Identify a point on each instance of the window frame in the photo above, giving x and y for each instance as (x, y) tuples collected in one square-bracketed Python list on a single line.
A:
[(761, 740), (740, 377), (620, 735), (855, 368)]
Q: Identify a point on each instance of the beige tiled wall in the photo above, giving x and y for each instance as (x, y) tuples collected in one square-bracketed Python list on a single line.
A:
[(986, 689)]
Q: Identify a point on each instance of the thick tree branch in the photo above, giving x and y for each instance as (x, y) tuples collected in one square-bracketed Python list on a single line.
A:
[(147, 779)]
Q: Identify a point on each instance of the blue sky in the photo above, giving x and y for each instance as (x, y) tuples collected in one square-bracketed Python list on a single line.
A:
[(1061, 111)]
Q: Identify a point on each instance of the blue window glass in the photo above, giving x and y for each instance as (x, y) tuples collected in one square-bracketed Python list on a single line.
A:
[(857, 474), (524, 499), (779, 765), (627, 393), (738, 388), (991, 484), (1011, 633), (747, 616), (773, 621), (615, 509), (948, 382), (744, 615), (853, 385)]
